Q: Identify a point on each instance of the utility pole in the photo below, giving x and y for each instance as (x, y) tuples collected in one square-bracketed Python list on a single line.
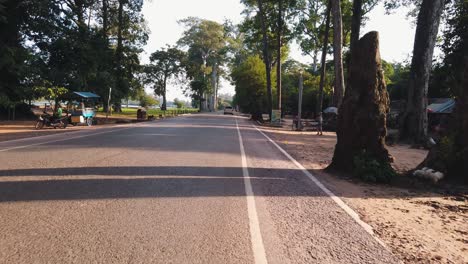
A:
[(108, 102), (299, 107)]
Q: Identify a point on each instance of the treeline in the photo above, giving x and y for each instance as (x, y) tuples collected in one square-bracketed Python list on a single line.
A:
[(270, 27), (265, 80), (78, 45), (196, 63)]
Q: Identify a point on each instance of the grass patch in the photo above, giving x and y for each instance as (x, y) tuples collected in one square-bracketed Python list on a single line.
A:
[(370, 170), (132, 112)]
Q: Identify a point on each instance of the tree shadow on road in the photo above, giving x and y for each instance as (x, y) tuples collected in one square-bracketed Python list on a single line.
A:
[(149, 182)]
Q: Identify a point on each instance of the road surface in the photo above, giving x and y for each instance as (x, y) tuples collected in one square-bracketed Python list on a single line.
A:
[(193, 189)]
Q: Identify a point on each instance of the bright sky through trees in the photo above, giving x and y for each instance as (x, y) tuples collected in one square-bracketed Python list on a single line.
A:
[(396, 32)]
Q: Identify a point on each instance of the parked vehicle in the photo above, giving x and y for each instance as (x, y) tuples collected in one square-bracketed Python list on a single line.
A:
[(47, 120), (228, 110), (81, 105), (83, 116)]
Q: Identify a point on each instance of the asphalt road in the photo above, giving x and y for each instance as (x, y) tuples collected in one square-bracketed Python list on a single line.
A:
[(172, 191)]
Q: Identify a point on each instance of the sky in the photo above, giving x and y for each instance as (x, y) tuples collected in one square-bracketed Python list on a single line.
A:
[(395, 30)]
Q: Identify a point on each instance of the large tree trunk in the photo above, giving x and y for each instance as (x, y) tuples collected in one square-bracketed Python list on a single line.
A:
[(323, 70), (214, 74), (104, 18), (119, 33), (119, 50), (278, 51), (164, 102), (337, 52), (200, 101), (451, 157), (355, 24), (315, 60), (413, 125), (78, 8), (216, 91), (266, 56), (362, 115), (460, 170)]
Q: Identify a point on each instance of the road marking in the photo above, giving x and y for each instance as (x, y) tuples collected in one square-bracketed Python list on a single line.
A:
[(255, 234), (62, 139), (335, 198)]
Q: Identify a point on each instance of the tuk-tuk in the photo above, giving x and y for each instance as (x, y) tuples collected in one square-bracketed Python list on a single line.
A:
[(81, 106)]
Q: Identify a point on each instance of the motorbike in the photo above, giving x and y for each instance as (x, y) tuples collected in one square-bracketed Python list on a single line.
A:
[(47, 120)]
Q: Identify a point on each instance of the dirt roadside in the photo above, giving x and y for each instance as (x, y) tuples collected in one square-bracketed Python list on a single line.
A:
[(10, 130), (419, 226)]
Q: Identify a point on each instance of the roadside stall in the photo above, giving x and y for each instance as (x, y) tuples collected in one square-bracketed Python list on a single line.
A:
[(81, 106)]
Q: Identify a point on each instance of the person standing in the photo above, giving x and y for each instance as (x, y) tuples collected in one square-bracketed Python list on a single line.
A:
[(319, 125)]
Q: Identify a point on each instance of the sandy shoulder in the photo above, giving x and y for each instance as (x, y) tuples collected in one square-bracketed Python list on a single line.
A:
[(418, 226)]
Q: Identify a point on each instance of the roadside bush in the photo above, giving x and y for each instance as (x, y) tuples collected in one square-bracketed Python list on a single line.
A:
[(370, 170), (147, 100), (447, 155)]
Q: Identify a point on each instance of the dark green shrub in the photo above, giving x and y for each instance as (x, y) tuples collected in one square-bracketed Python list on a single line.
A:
[(370, 170)]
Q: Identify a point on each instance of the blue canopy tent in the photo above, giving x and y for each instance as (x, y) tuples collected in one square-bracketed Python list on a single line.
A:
[(438, 113), (82, 95), (441, 106)]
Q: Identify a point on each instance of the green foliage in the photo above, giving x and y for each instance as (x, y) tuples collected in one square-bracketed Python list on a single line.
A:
[(311, 80), (178, 103), (251, 26), (147, 100), (165, 64), (413, 5), (12, 53), (249, 79), (50, 92), (454, 47), (398, 82), (370, 170), (65, 43), (207, 43), (446, 153), (132, 112)]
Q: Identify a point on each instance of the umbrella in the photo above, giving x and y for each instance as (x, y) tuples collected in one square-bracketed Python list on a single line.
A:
[(331, 109)]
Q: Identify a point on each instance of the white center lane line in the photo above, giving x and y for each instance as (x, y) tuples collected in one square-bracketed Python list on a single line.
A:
[(255, 234)]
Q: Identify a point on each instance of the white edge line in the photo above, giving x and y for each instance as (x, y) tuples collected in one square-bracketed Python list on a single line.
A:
[(255, 234), (335, 198)]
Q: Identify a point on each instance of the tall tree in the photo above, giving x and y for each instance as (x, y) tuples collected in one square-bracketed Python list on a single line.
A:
[(309, 28), (338, 51), (355, 23), (312, 32), (105, 17), (165, 64), (249, 79), (359, 10), (450, 155), (266, 56), (414, 119), (267, 30), (12, 53), (323, 69), (279, 33), (119, 53), (206, 42)]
